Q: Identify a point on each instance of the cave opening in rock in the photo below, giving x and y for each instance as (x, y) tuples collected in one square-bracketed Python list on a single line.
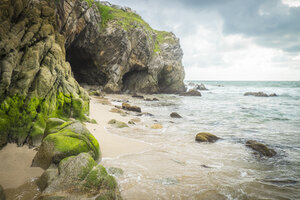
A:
[(83, 67), (138, 79)]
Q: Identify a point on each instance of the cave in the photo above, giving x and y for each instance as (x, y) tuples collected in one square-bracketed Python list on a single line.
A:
[(138, 80), (83, 67)]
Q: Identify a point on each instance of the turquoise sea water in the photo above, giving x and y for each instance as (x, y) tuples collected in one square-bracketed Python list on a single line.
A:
[(233, 171)]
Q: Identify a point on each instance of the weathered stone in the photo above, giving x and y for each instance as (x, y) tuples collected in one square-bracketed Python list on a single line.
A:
[(206, 137), (175, 115), (128, 107), (117, 124), (191, 92), (260, 148)]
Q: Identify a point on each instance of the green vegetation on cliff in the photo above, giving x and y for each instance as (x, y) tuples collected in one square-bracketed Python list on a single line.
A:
[(129, 20)]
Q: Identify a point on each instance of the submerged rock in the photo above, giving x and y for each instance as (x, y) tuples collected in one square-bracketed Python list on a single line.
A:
[(117, 124), (156, 126), (175, 115), (206, 137), (128, 107), (260, 148), (68, 139), (259, 94), (191, 92)]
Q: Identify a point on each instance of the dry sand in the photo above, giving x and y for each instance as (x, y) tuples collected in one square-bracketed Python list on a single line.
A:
[(112, 145), (15, 165)]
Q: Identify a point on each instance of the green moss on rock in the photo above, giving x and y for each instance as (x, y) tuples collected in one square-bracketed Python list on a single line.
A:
[(98, 178), (71, 138)]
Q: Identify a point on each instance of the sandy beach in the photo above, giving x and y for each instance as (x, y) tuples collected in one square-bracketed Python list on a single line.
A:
[(15, 166), (112, 145)]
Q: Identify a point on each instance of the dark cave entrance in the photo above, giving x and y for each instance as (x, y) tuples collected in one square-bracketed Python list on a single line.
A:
[(132, 80), (83, 67)]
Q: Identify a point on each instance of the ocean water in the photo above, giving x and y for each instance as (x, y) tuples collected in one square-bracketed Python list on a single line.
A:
[(177, 167)]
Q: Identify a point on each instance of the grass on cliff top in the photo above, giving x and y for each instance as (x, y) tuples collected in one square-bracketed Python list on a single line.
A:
[(130, 20)]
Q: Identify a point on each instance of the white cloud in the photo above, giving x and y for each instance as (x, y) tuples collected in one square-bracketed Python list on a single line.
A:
[(253, 50), (292, 3)]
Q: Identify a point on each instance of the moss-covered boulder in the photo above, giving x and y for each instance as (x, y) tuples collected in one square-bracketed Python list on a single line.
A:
[(78, 177), (206, 137), (260, 148), (69, 139), (117, 124)]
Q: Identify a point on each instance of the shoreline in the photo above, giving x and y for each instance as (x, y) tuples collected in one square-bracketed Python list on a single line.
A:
[(112, 145)]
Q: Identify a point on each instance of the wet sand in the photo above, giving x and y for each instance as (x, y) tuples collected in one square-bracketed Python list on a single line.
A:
[(112, 145), (15, 165)]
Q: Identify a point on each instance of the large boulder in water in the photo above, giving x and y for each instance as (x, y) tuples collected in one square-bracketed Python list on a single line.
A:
[(69, 139), (206, 137), (260, 148)]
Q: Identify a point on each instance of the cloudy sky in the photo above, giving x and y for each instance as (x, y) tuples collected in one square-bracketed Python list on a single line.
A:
[(230, 39)]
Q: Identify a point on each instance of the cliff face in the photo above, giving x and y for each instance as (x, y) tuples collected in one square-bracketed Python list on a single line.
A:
[(123, 53), (36, 82), (47, 47)]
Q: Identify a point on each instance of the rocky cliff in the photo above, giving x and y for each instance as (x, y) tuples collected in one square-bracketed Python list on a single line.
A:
[(123, 53), (47, 47)]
